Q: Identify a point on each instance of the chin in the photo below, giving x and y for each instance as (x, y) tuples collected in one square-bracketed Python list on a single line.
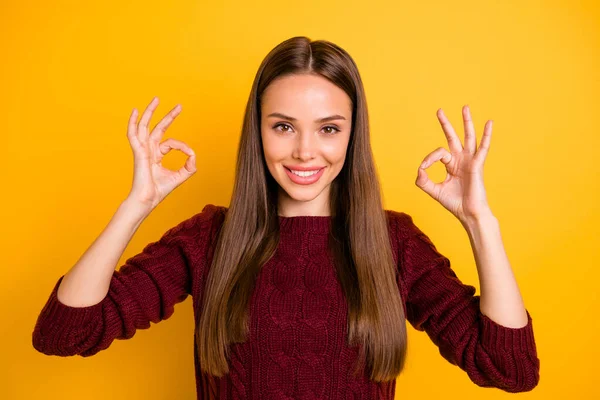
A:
[(302, 195), (297, 192)]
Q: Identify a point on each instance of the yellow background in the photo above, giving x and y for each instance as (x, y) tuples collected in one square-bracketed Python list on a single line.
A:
[(71, 72)]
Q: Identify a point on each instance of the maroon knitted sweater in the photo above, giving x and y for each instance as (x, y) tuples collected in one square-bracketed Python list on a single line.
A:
[(297, 346)]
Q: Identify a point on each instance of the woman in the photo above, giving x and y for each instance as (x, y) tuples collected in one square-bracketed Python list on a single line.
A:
[(302, 286)]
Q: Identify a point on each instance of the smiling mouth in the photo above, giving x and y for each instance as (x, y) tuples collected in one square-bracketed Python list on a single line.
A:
[(314, 176), (302, 173)]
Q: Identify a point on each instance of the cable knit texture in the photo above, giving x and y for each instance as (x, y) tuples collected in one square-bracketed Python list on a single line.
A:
[(297, 345)]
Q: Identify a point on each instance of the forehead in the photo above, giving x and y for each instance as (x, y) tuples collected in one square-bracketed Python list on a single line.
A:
[(305, 94)]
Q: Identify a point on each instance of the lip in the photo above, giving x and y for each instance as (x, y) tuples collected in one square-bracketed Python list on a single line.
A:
[(299, 168), (304, 180)]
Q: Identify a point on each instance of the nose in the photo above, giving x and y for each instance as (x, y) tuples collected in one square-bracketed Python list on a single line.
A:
[(306, 146)]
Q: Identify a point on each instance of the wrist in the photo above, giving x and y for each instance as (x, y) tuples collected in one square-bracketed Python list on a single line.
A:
[(479, 222), (134, 210)]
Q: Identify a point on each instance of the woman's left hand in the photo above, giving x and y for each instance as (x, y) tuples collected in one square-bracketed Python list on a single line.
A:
[(462, 193)]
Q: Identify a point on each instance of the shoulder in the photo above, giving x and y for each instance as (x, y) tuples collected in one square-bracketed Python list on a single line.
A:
[(211, 214), (203, 224), (401, 224), (411, 242)]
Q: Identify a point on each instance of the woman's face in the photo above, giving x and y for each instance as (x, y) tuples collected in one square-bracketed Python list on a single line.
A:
[(305, 123)]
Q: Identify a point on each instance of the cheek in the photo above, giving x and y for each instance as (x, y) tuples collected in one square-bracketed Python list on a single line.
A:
[(275, 150), (272, 149), (267, 145), (335, 153)]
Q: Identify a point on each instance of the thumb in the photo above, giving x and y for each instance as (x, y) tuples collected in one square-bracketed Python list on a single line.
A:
[(426, 184), (189, 168)]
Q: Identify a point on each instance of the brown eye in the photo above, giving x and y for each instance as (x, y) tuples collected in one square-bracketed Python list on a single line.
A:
[(278, 125), (335, 130)]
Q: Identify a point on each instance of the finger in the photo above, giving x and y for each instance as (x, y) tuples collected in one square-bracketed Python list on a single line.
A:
[(440, 154), (190, 164), (145, 120), (132, 128), (485, 144), (189, 167), (171, 143), (453, 141), (426, 184), (470, 137), (164, 123)]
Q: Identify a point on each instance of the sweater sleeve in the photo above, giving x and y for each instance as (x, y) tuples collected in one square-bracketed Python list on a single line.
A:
[(145, 289), (438, 303)]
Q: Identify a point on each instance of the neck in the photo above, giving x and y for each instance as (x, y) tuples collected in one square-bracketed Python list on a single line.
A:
[(290, 207)]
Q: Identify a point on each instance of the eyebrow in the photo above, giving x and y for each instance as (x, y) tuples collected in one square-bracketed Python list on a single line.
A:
[(325, 119)]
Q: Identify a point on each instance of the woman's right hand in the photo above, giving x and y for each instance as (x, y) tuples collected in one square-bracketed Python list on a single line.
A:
[(151, 181)]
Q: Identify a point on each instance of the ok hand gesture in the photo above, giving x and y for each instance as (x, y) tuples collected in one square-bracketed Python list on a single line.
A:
[(151, 181), (463, 192)]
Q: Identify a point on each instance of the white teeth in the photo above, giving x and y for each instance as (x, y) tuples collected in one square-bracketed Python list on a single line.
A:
[(304, 173)]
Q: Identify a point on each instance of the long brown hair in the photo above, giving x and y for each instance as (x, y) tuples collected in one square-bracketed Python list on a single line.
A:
[(358, 238)]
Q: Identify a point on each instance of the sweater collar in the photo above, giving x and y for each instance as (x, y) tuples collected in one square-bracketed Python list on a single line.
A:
[(304, 223)]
